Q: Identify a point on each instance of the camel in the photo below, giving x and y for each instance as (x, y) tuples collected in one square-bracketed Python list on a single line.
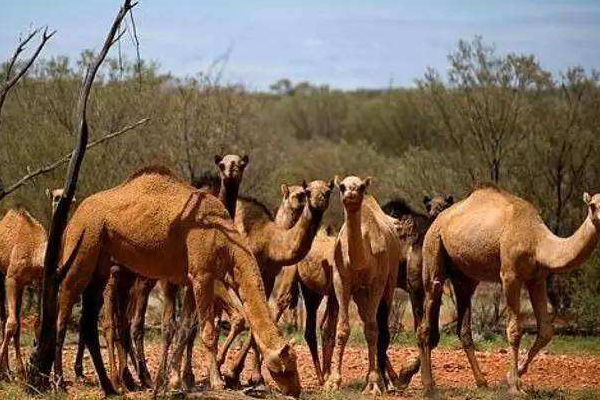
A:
[(314, 276), (162, 228), (495, 236), (274, 246), (22, 248), (366, 256), (118, 298)]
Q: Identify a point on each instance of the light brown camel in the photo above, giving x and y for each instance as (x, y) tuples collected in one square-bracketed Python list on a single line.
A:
[(119, 299), (274, 246), (314, 276), (22, 248), (495, 236), (162, 228), (366, 257)]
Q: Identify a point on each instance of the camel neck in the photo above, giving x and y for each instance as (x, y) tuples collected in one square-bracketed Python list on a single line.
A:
[(564, 254), (228, 195), (354, 235), (286, 217)]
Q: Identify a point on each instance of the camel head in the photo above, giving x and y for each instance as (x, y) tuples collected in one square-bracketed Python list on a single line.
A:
[(282, 367), (436, 204), (294, 196), (317, 193), (231, 167), (352, 191), (593, 203), (55, 196)]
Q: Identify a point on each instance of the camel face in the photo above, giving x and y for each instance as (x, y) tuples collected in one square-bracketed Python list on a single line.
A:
[(352, 191), (55, 196), (282, 367), (295, 196), (437, 204), (318, 193), (593, 203), (231, 167)]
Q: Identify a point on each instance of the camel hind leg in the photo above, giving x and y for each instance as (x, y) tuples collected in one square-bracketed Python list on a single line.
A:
[(328, 331), (433, 281), (464, 288), (312, 301), (14, 296), (140, 294), (168, 327)]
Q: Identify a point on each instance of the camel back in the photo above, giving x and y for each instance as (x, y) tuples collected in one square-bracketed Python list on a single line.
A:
[(148, 206), (18, 226), (251, 214)]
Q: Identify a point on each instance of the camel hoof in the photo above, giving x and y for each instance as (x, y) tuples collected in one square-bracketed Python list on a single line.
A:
[(216, 383), (430, 394), (333, 384), (481, 383), (373, 389)]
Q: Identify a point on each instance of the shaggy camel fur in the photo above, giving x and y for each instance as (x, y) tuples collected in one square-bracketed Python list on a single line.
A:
[(22, 249), (495, 236), (162, 228), (366, 257)]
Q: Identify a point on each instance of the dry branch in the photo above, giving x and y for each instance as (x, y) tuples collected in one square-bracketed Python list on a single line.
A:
[(66, 158), (42, 358), (9, 82)]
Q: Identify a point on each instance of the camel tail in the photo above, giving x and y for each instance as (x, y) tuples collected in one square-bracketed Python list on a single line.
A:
[(62, 272)]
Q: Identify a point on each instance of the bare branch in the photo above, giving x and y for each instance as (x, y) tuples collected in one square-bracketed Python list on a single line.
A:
[(11, 82), (66, 158)]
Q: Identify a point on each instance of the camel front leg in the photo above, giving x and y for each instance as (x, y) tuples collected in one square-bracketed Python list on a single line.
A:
[(328, 331), (13, 293), (17, 336), (204, 292), (539, 300), (78, 365), (367, 304), (512, 290), (464, 289), (3, 313), (342, 334), (140, 295)]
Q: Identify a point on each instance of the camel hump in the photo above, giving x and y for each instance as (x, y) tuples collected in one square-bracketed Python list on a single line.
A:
[(24, 216), (155, 169)]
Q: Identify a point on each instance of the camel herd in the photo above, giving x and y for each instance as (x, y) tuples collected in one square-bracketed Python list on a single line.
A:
[(222, 253)]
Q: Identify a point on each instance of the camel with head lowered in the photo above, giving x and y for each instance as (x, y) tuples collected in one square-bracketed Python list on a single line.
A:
[(274, 246), (495, 236), (162, 228), (314, 277), (127, 294)]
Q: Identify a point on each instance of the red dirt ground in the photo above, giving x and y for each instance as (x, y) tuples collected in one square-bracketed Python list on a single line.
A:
[(451, 369)]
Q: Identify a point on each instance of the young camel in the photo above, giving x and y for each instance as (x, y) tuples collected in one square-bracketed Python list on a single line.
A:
[(366, 257), (497, 237), (125, 334), (162, 228)]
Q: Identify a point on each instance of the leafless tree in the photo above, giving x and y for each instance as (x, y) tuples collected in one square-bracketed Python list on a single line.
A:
[(42, 358)]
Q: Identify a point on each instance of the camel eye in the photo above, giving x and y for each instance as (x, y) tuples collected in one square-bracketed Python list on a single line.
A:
[(300, 196), (222, 166), (362, 187), (342, 188), (56, 199)]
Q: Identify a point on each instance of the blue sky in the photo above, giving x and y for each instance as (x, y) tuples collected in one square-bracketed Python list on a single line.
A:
[(343, 43)]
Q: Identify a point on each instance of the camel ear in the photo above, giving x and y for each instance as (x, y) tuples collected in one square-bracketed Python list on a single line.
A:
[(367, 182), (285, 190), (450, 199), (587, 199), (218, 159), (245, 160), (48, 194), (304, 185), (336, 180)]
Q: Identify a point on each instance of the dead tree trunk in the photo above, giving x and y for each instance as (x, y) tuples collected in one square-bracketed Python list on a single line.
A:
[(42, 358)]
